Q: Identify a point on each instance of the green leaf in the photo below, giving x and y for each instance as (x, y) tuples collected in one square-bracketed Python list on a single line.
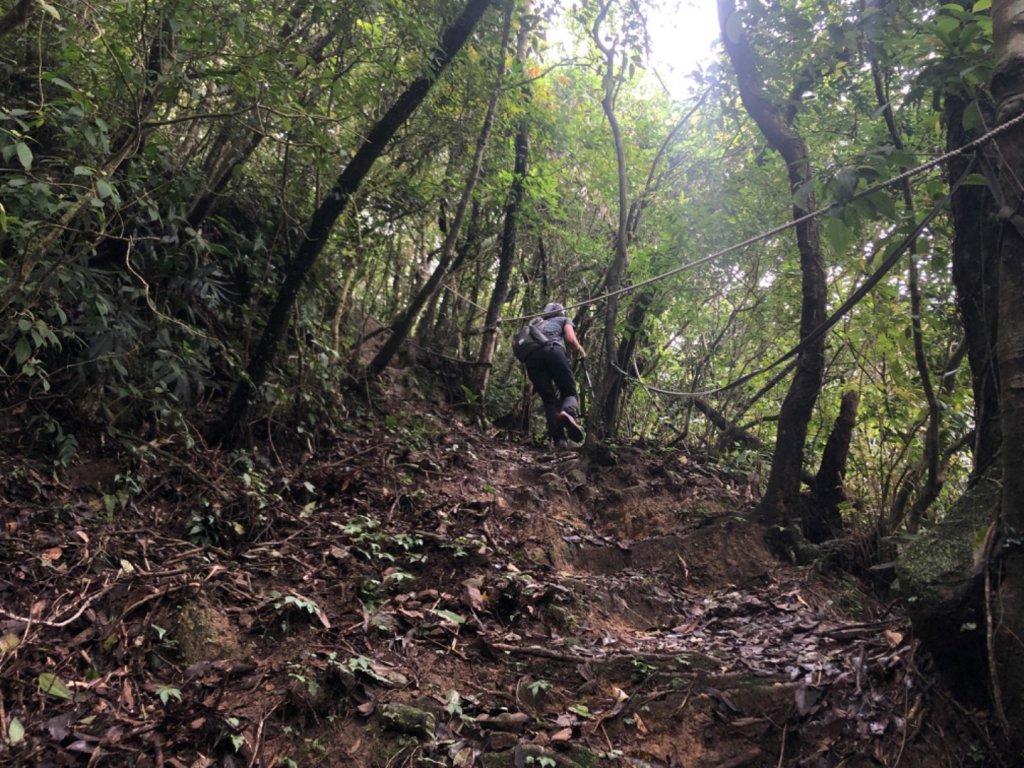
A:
[(972, 118), (884, 204), (24, 154), (981, 5), (52, 685), (15, 731), (82, 170), (50, 9), (837, 234), (449, 616), (104, 189), (22, 350)]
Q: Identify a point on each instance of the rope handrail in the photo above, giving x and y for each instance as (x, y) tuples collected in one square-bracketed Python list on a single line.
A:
[(854, 298), (910, 173)]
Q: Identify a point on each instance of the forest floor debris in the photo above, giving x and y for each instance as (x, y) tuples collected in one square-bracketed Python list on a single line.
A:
[(423, 593)]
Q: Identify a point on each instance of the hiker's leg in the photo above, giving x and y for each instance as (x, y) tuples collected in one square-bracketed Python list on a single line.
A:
[(561, 372), (543, 386)]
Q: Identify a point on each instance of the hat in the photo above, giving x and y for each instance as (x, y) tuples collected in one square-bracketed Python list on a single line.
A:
[(553, 310)]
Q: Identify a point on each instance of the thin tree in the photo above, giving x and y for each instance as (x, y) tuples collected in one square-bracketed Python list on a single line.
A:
[(510, 229), (779, 502), (611, 80), (335, 203), (402, 324)]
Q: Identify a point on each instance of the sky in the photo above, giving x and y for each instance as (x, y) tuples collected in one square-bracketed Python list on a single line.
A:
[(682, 39), (682, 33)]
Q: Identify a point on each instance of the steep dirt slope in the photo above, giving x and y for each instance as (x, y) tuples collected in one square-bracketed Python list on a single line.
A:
[(423, 593)]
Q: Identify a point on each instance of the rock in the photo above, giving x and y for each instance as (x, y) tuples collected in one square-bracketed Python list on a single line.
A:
[(499, 741), (204, 634), (512, 722), (405, 718), (941, 576)]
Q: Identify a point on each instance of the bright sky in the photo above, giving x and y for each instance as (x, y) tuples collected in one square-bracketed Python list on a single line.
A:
[(682, 39), (683, 35)]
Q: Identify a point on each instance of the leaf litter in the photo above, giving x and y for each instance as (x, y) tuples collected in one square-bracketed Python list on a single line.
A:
[(429, 594)]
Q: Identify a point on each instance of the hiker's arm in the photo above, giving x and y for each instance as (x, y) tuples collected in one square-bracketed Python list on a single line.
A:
[(572, 341)]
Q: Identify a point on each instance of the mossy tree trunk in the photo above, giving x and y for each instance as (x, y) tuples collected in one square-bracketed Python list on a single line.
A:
[(1008, 92)]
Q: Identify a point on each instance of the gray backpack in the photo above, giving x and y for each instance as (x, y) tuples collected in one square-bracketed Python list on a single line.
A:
[(529, 339)]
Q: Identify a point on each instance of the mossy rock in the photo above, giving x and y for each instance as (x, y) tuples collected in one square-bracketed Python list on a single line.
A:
[(941, 577), (410, 720), (205, 634)]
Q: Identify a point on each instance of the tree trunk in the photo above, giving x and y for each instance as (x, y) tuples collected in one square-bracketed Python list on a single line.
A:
[(510, 230), (783, 489), (602, 417), (403, 323), (975, 275), (823, 520), (17, 15), (1008, 91), (335, 203), (614, 382)]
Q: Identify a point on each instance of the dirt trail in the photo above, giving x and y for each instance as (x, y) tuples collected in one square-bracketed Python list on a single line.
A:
[(421, 593)]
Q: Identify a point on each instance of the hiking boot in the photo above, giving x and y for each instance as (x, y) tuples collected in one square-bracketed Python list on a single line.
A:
[(561, 444), (569, 424)]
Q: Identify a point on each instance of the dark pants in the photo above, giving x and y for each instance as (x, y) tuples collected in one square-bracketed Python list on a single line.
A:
[(549, 368)]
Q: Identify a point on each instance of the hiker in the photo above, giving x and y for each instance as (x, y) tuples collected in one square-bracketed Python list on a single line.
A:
[(548, 368)]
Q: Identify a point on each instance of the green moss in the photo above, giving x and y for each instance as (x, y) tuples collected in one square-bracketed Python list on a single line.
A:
[(938, 563)]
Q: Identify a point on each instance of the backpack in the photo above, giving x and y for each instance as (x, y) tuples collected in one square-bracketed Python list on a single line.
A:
[(529, 339)]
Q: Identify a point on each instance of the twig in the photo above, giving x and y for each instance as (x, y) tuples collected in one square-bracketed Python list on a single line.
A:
[(686, 699), (257, 746), (906, 727), (57, 624)]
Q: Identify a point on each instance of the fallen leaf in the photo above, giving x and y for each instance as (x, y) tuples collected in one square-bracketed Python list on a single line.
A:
[(15, 731), (60, 726), (8, 643), (51, 555), (448, 616), (640, 725), (893, 638), (473, 598), (52, 685), (563, 736)]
